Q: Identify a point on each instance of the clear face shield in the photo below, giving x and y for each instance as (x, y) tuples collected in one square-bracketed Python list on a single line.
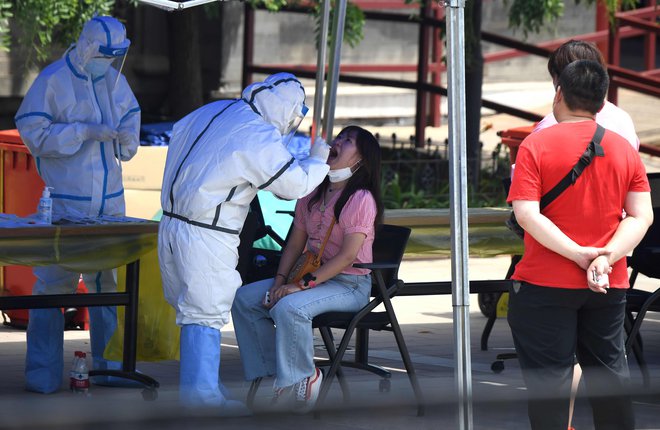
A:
[(296, 147), (107, 57)]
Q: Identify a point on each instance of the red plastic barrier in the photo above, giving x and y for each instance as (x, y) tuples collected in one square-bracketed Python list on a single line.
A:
[(20, 190)]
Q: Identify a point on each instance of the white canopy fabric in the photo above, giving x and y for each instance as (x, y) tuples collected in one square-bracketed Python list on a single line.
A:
[(170, 6)]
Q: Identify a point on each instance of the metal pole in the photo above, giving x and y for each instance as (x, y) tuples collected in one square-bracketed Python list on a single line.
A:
[(333, 72), (422, 96), (458, 208), (320, 71), (248, 45)]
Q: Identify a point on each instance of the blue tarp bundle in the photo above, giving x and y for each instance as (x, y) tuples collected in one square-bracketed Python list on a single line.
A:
[(159, 134), (156, 134)]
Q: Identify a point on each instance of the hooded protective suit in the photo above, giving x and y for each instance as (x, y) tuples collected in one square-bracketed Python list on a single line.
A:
[(69, 118), (218, 158)]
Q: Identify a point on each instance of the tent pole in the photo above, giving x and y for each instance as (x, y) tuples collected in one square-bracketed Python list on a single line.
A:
[(458, 209), (320, 70), (339, 17)]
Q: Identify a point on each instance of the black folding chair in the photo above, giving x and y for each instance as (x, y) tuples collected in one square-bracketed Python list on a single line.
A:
[(388, 249), (644, 260), (497, 366), (255, 264)]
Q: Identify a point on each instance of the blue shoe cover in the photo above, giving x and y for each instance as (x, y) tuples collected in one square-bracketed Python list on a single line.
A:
[(45, 348), (199, 378), (103, 323)]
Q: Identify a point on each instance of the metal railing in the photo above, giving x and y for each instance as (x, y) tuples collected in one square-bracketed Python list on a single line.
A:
[(430, 19)]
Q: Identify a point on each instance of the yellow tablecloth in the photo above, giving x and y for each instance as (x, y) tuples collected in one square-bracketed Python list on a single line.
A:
[(94, 247), (488, 236), (77, 247)]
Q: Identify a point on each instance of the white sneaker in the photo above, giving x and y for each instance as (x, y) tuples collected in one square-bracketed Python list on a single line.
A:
[(307, 392), (283, 399), (279, 394)]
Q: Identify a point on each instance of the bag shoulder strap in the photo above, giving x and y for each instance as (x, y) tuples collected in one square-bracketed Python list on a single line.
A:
[(325, 240), (593, 149)]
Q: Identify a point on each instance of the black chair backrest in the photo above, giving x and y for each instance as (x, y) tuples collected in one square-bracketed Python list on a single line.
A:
[(643, 260), (506, 184), (388, 247), (247, 238), (654, 181)]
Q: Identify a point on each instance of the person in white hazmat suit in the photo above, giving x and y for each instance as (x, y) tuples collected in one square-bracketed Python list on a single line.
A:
[(219, 157), (73, 117)]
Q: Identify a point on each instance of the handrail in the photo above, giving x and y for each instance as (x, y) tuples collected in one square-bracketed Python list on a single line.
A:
[(394, 83), (645, 81)]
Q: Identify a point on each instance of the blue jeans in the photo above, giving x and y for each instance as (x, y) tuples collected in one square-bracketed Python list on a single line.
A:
[(288, 351)]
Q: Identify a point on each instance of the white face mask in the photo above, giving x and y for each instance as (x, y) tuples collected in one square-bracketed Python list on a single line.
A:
[(342, 174)]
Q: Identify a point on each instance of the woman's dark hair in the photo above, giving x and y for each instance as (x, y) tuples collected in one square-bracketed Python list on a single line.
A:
[(570, 51), (584, 85), (367, 177)]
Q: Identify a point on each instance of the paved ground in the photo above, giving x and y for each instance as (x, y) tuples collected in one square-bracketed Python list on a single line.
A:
[(427, 325)]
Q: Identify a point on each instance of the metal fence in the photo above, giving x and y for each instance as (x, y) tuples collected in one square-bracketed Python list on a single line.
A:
[(418, 176)]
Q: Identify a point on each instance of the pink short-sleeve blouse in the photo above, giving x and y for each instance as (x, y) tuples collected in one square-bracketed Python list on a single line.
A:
[(357, 216)]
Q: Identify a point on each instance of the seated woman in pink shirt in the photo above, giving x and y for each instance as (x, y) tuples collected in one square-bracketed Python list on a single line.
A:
[(275, 338), (610, 116)]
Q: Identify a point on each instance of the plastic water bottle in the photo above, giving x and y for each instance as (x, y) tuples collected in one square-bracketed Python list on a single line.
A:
[(79, 375), (45, 208)]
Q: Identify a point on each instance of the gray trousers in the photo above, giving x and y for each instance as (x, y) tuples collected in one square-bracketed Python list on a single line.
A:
[(552, 326)]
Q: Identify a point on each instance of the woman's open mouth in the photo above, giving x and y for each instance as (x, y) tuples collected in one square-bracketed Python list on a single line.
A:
[(333, 154)]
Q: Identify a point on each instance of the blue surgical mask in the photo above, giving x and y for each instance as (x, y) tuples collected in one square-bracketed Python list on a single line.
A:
[(98, 66)]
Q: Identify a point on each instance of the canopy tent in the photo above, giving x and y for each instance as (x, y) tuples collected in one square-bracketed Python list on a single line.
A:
[(457, 163), (170, 6)]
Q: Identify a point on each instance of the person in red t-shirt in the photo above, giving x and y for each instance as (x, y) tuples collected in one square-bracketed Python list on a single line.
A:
[(569, 294)]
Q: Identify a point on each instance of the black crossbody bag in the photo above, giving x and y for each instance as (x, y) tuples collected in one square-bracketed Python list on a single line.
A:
[(594, 149)]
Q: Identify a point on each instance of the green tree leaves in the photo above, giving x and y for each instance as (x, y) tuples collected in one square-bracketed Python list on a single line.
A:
[(46, 24), (5, 14), (531, 15)]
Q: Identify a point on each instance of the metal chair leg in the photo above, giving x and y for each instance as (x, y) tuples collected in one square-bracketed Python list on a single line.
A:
[(405, 356), (328, 341), (334, 369), (252, 392)]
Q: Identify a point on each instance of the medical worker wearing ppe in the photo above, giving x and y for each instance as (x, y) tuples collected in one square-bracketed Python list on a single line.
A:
[(76, 116), (218, 158)]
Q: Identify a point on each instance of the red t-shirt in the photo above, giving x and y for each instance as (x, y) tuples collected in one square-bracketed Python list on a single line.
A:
[(588, 212)]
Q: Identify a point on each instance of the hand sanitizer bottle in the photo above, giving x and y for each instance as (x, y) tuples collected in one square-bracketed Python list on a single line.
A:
[(45, 209)]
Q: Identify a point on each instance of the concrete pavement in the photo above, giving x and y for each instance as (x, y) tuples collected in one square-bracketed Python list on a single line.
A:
[(428, 329)]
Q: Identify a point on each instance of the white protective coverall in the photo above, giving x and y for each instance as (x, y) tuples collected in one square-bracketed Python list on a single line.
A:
[(219, 157), (69, 119)]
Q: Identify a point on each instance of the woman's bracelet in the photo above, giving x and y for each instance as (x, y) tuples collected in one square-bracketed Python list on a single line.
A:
[(282, 275)]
